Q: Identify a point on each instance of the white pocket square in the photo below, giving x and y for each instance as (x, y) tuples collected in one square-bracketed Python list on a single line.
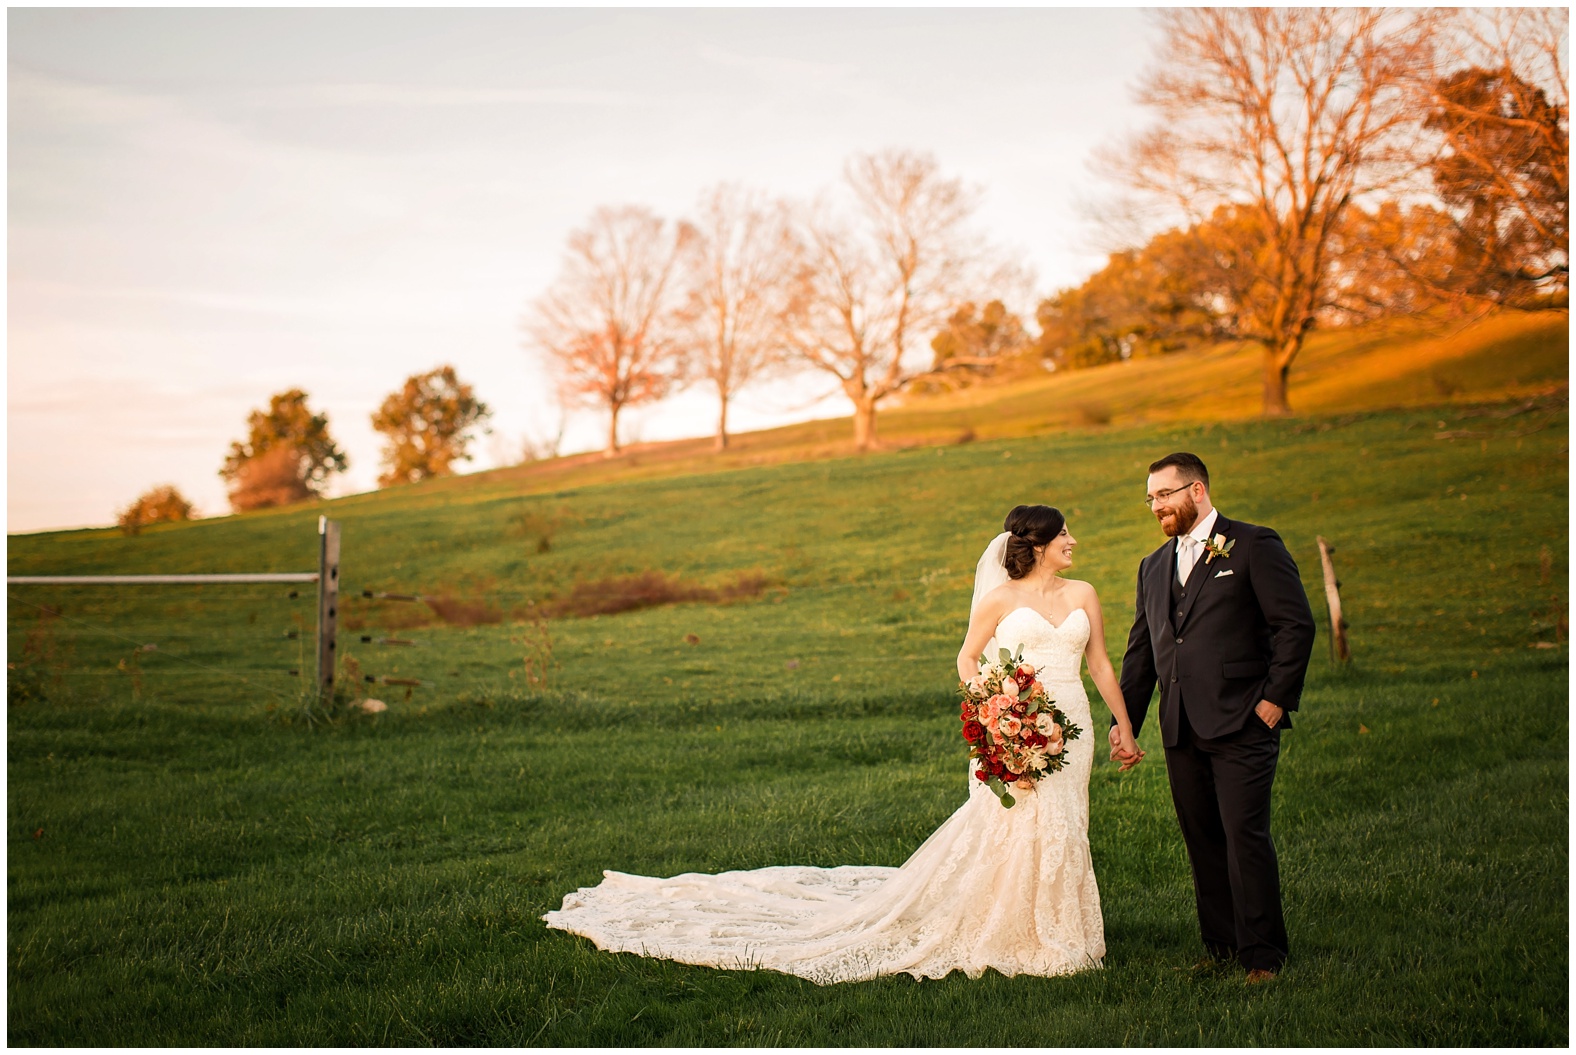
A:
[(1223, 574)]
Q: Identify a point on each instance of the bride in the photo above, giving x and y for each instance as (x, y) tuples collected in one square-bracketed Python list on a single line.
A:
[(1012, 889)]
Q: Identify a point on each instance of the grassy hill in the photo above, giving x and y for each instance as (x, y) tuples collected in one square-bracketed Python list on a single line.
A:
[(1404, 363), (191, 862)]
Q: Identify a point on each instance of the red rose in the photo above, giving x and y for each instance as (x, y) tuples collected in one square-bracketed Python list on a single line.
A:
[(981, 775), (973, 731)]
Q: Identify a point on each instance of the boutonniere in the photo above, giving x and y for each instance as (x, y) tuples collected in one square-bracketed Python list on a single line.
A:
[(1218, 547)]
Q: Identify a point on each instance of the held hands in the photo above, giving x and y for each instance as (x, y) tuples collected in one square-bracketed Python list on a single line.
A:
[(1124, 748)]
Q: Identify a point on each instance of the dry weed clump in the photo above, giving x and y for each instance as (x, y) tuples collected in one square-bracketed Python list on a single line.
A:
[(541, 524), (38, 674), (1091, 413), (535, 637), (457, 612), (648, 589)]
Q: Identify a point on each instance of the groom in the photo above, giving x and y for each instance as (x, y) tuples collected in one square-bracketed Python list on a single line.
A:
[(1223, 626)]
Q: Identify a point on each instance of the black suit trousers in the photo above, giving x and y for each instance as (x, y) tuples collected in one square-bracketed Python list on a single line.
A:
[(1221, 789)]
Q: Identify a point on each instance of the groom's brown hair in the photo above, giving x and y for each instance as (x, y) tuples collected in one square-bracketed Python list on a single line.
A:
[(1189, 466)]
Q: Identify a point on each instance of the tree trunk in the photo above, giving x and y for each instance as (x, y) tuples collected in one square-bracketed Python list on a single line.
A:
[(722, 424), (612, 433), (1277, 366), (865, 424)]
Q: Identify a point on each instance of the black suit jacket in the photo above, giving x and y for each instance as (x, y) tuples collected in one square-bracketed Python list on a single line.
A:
[(1242, 632)]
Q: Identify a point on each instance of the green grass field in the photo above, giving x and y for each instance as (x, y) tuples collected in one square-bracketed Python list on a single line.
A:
[(193, 863)]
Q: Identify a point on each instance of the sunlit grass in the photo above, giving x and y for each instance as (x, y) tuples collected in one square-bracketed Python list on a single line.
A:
[(209, 869)]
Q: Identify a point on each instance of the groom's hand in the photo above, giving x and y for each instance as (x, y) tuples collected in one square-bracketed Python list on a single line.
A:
[(1268, 713), (1128, 760)]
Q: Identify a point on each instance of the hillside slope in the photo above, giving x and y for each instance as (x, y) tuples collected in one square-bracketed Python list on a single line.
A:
[(1393, 365), (1397, 364)]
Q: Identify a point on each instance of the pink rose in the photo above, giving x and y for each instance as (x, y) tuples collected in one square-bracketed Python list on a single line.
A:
[(1011, 726), (1055, 747), (1009, 688)]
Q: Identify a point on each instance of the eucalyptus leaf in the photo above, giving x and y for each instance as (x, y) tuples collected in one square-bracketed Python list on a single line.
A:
[(1006, 657)]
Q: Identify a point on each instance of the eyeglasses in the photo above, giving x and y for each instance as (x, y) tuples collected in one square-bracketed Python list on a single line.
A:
[(1150, 500)]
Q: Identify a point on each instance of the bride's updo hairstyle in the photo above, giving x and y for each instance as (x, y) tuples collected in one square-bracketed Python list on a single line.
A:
[(1029, 526)]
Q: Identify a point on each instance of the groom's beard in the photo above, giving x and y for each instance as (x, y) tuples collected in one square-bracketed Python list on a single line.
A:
[(1183, 516)]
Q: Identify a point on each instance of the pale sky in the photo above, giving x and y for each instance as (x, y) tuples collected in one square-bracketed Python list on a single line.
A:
[(210, 206)]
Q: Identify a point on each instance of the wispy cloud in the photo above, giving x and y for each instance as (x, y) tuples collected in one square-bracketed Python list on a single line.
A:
[(782, 70), (172, 295), (374, 94)]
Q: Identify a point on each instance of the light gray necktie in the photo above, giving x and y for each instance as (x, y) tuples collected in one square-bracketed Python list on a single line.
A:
[(1187, 556)]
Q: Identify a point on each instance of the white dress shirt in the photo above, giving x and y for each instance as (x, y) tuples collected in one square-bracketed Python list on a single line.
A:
[(1191, 546)]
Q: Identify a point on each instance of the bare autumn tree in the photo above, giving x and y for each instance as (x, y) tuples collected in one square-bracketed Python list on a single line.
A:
[(610, 323), (1295, 113), (309, 454), (429, 425), (883, 274), (739, 276)]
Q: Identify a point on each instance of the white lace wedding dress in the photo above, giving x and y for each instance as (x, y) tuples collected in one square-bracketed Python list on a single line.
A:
[(1012, 889)]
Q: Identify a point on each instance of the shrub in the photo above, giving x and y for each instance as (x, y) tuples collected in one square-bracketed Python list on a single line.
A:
[(163, 504)]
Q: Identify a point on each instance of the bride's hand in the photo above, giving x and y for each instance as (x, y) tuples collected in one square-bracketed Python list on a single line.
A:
[(1124, 748)]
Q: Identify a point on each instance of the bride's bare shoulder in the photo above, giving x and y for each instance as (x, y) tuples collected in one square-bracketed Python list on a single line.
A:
[(1001, 596), (1081, 591)]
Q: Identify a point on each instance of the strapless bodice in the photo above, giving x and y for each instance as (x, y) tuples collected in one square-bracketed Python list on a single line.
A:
[(1055, 650)]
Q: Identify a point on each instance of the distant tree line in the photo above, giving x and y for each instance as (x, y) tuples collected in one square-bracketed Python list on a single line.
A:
[(288, 455), (1327, 165), (853, 285), (1332, 165)]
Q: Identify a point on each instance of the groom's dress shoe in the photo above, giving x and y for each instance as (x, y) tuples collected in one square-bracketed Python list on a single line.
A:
[(1210, 965), (1258, 976)]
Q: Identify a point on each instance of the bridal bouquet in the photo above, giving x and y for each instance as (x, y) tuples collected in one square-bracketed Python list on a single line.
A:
[(1012, 726)]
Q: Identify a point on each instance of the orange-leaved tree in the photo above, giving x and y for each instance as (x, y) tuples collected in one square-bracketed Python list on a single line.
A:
[(978, 342), (428, 424), (1502, 167), (288, 455)]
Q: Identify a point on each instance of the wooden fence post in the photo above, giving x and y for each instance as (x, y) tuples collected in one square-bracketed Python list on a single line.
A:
[(327, 603), (1339, 650)]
